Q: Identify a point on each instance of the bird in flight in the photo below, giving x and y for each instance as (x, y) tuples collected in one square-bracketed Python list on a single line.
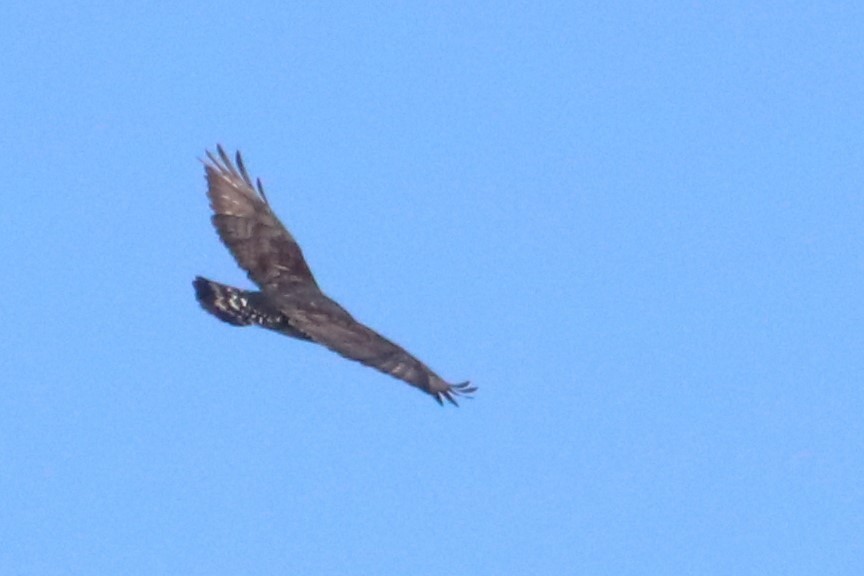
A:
[(289, 300)]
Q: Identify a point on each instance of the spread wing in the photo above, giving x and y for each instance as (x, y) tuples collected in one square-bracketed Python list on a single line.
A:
[(248, 227), (327, 323)]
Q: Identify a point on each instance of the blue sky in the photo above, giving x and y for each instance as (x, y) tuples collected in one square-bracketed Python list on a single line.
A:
[(635, 226)]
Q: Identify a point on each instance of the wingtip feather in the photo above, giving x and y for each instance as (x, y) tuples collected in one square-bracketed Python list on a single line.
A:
[(223, 166), (461, 390)]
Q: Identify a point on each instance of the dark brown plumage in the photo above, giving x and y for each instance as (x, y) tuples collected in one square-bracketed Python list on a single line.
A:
[(289, 300)]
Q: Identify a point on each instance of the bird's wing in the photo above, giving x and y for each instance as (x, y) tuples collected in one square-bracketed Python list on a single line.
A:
[(330, 325), (259, 242)]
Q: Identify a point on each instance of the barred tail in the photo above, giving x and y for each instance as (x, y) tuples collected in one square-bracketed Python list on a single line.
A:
[(227, 303)]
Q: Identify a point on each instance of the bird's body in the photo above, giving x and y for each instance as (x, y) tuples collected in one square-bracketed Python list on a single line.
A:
[(289, 300)]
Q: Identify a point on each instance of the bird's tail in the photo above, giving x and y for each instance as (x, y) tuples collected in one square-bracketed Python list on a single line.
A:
[(227, 303)]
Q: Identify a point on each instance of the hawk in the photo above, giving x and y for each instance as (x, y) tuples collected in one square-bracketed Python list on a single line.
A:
[(289, 300)]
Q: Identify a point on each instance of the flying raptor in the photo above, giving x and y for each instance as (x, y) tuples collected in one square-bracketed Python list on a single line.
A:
[(289, 300)]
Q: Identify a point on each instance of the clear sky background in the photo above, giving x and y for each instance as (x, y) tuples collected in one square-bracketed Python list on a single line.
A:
[(637, 227)]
